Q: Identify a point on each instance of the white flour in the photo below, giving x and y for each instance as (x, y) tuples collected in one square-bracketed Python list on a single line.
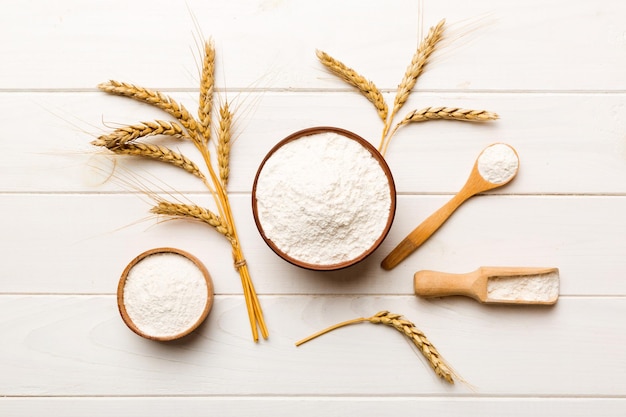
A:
[(543, 287), (498, 163), (165, 294), (323, 199)]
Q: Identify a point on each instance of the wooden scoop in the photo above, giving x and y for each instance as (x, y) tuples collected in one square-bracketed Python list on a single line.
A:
[(475, 184), (501, 285)]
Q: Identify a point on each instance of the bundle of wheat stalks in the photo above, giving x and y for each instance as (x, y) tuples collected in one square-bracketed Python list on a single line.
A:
[(412, 73), (416, 336), (124, 141)]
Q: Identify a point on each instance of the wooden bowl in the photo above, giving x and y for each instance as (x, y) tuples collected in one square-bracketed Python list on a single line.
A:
[(384, 167), (122, 304)]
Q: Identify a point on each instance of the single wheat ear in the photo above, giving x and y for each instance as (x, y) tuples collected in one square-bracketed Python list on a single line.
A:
[(365, 87), (407, 328), (159, 153), (132, 132), (223, 143), (445, 113), (415, 69), (188, 211), (207, 85)]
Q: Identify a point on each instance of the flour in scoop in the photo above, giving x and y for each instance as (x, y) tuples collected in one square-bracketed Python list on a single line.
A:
[(498, 163), (323, 199), (540, 288), (165, 294)]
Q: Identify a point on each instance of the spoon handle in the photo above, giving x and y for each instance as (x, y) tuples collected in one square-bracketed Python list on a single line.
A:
[(421, 233)]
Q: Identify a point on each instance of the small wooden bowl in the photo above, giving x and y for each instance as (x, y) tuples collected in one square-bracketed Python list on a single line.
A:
[(392, 193), (122, 283)]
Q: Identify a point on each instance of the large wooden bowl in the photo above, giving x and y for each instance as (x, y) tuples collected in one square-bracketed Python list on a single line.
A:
[(383, 165)]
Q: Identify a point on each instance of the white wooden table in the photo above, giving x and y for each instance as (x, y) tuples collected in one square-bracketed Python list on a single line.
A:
[(553, 70)]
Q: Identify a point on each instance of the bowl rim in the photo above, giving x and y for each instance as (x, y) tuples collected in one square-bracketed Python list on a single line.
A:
[(162, 250), (381, 161)]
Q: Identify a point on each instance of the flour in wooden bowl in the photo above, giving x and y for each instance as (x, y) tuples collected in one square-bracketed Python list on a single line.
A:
[(164, 294), (323, 200)]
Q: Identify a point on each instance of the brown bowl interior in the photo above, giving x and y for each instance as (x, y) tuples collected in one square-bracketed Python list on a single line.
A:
[(120, 294), (375, 154)]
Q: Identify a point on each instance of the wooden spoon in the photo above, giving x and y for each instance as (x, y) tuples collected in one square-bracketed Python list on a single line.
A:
[(475, 184), (502, 285)]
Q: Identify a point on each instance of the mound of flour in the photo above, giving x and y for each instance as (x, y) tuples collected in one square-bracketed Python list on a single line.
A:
[(165, 294), (323, 199)]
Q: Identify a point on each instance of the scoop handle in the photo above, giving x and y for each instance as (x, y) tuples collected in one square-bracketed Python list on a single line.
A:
[(440, 284)]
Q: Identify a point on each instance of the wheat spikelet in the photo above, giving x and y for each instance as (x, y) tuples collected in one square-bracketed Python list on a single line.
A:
[(160, 153), (167, 208), (366, 87), (223, 143), (449, 113), (415, 69), (409, 330), (419, 339), (207, 82), (130, 133), (155, 98), (445, 113)]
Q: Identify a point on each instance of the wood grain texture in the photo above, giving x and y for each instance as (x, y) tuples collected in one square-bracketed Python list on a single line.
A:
[(530, 350), (494, 46), (193, 406), (553, 71), (89, 246), (557, 154)]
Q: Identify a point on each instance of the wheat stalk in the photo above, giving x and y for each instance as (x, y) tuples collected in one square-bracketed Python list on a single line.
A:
[(160, 153), (207, 84), (167, 208), (365, 87), (415, 69), (419, 61), (407, 328), (223, 143), (130, 133)]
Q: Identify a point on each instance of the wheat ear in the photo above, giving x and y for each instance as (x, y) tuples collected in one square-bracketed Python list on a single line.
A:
[(160, 153), (223, 143), (155, 98), (442, 113), (416, 336), (415, 69), (419, 339), (365, 87), (167, 208), (207, 85), (130, 133)]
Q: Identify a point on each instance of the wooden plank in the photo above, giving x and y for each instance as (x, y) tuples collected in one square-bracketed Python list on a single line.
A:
[(552, 70), (311, 406), (557, 155), (265, 43), (78, 346), (271, 44), (72, 243), (533, 45)]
